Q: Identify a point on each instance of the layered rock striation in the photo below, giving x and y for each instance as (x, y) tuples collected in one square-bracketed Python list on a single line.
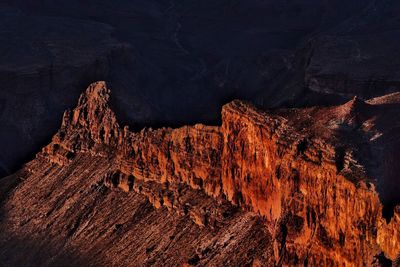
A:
[(317, 200), (303, 173)]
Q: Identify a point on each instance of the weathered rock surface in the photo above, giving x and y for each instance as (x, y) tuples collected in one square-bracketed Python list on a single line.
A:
[(296, 186), (74, 219)]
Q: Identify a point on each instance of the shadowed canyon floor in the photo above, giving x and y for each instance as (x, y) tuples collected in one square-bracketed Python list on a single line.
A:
[(314, 186)]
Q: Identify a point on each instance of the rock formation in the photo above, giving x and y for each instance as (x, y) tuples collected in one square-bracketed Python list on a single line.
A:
[(284, 187)]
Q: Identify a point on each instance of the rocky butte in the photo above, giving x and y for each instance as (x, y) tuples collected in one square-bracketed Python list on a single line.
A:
[(315, 186)]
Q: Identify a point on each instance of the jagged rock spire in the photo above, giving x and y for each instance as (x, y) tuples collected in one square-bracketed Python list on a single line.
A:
[(94, 115)]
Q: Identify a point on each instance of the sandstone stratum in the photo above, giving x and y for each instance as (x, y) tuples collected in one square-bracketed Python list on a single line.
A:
[(316, 186)]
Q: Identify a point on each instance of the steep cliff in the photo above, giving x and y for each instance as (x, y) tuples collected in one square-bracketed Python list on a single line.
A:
[(300, 181)]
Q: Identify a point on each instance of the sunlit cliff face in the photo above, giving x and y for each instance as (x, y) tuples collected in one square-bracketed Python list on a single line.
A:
[(169, 169), (315, 200)]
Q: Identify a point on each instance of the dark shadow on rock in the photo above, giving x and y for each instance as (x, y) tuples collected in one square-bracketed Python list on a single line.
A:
[(26, 252)]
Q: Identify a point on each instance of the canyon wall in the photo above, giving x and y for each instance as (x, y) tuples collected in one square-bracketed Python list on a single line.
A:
[(317, 202)]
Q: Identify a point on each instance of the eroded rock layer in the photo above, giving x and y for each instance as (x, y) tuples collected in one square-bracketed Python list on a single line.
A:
[(68, 216), (293, 174)]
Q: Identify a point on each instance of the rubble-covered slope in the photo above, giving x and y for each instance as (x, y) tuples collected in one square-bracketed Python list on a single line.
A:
[(66, 216), (282, 187)]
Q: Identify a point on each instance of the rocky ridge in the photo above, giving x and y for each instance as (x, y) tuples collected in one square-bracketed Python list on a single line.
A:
[(301, 184)]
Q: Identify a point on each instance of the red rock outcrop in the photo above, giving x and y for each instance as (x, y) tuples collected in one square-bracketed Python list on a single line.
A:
[(294, 168)]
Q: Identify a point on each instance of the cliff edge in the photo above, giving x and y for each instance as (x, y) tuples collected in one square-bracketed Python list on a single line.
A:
[(315, 186)]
